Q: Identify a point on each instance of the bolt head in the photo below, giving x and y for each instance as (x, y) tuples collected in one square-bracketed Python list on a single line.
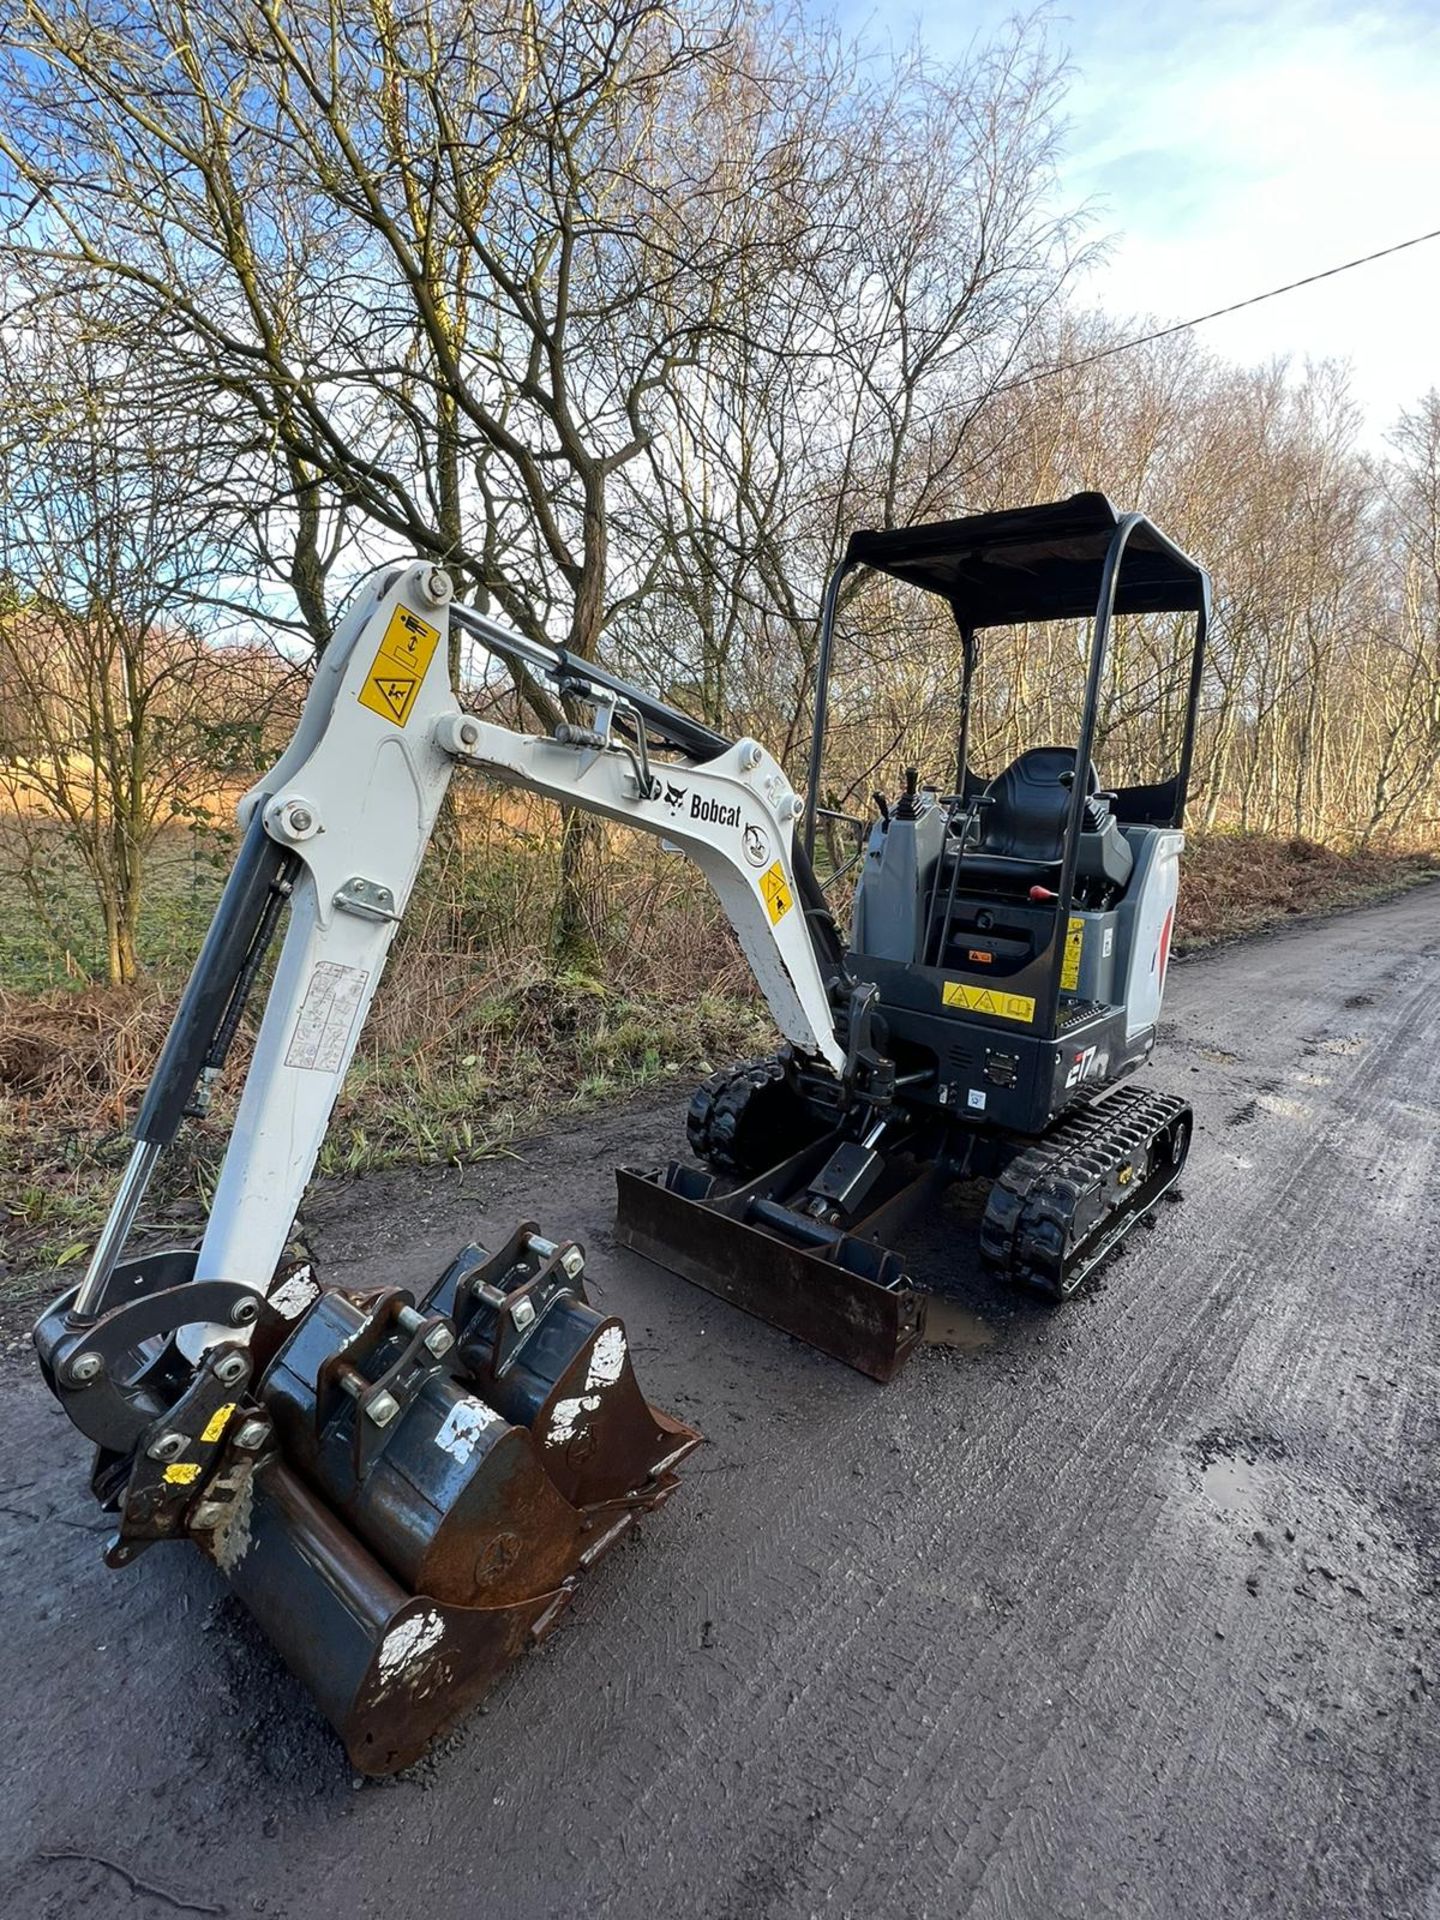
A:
[(168, 1446), (243, 1312), (251, 1435), (383, 1409), (522, 1314), (232, 1368), (469, 733), (572, 1262), (439, 1340), (85, 1368)]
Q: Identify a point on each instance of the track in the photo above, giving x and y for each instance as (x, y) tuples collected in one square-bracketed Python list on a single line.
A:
[(1125, 1610)]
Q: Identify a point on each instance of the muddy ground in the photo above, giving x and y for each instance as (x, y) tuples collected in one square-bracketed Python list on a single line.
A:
[(1125, 1610)]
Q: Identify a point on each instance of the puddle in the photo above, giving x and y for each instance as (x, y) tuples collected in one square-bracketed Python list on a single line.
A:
[(1232, 1485), (947, 1324), (1285, 1109)]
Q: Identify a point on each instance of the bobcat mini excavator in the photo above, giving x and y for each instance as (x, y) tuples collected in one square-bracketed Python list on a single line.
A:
[(1006, 964), (404, 1485)]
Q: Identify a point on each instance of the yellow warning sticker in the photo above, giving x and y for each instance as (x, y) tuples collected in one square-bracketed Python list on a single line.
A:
[(1003, 1006), (182, 1473), (215, 1425), (394, 678), (1074, 944), (775, 891)]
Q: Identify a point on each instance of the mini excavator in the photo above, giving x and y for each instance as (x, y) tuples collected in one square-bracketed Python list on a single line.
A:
[(405, 1484)]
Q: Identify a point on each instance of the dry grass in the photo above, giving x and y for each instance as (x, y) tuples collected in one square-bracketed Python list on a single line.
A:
[(475, 1038), (1238, 883)]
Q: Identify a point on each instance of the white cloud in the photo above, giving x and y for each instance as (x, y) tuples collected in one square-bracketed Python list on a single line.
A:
[(1236, 146)]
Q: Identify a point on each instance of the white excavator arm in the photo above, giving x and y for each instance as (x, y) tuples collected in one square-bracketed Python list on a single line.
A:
[(346, 815)]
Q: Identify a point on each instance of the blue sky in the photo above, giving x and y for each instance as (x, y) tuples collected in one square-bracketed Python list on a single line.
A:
[(1231, 146)]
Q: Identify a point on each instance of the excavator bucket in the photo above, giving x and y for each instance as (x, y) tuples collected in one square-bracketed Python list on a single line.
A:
[(389, 1668), (403, 1492)]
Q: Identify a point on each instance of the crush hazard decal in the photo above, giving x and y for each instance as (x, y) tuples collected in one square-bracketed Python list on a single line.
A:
[(399, 666), (775, 892), (1001, 1006)]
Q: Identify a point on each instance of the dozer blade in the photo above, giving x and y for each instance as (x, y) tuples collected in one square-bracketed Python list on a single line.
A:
[(845, 1295)]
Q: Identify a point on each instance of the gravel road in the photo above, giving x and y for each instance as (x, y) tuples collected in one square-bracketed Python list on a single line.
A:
[(1124, 1610)]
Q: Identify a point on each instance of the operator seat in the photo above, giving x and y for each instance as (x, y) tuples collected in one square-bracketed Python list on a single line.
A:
[(1021, 838)]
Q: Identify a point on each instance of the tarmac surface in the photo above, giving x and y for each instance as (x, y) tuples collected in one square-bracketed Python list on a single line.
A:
[(1127, 1609)]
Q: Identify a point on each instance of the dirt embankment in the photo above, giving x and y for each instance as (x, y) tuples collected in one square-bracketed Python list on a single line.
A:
[(1240, 883)]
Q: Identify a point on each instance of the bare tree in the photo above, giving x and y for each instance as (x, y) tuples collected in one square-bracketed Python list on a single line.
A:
[(435, 263), (116, 716)]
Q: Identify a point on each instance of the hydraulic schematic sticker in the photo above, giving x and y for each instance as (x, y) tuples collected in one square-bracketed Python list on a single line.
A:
[(1003, 1006), (327, 1017), (399, 666), (775, 891), (1074, 946)]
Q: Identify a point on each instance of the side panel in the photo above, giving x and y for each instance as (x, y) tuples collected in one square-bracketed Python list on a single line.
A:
[(891, 894), (1146, 918)]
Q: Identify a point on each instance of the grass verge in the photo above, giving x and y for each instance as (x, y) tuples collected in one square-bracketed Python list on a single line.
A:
[(475, 1042)]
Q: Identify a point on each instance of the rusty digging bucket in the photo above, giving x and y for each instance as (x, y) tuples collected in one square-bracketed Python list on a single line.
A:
[(408, 1492), (442, 1473)]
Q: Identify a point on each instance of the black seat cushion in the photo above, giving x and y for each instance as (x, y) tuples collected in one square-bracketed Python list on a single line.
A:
[(1030, 805)]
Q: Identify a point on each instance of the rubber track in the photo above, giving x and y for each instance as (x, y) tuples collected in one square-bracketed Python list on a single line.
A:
[(716, 1119), (1051, 1188)]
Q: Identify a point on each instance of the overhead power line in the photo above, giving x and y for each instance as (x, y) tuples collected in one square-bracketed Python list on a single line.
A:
[(1216, 313)]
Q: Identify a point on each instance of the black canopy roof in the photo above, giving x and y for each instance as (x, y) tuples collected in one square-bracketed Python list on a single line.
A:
[(1035, 563)]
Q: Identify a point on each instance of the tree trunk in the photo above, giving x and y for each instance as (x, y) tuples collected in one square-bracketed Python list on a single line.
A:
[(580, 911)]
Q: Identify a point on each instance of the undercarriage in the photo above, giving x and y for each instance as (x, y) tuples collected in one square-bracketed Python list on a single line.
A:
[(807, 1242)]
